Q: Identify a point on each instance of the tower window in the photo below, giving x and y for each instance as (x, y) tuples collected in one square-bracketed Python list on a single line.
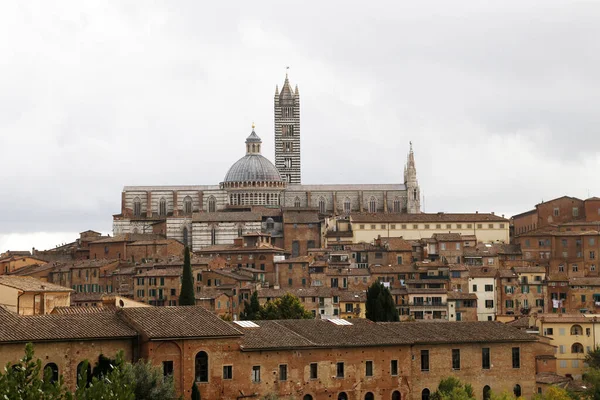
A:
[(287, 162), (162, 207), (322, 205), (213, 236), (288, 147), (137, 207), (212, 204), (415, 194), (372, 204), (287, 130), (187, 205)]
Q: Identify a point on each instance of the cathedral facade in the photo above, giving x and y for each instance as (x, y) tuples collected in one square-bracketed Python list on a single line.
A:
[(254, 192)]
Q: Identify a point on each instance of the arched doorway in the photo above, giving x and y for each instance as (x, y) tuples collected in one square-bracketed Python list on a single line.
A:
[(369, 396), (81, 372), (396, 395), (517, 390), (342, 396), (425, 394), (202, 367), (51, 371), (307, 397), (487, 392)]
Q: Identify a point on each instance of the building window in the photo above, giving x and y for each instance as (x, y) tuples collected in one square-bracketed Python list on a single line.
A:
[(487, 393), (397, 205), (297, 202), (489, 304), (396, 395), (516, 357), (394, 368), (202, 367), (577, 348), (372, 204), (256, 373), (51, 370), (489, 288), (212, 204), (227, 372), (369, 396), (575, 211), (283, 372), (425, 394), (137, 207), (270, 223), (576, 330), (342, 396), (455, 358), (167, 368), (347, 205), (187, 205), (313, 371), (485, 358), (213, 236), (322, 205), (424, 360), (369, 368), (162, 207), (295, 248), (517, 390), (339, 370)]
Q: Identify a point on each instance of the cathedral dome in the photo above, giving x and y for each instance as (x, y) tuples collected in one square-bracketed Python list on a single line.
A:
[(253, 167)]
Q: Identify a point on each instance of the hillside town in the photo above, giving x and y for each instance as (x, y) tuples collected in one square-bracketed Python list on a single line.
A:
[(504, 303)]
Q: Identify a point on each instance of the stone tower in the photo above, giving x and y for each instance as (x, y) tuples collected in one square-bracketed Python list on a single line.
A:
[(287, 133), (413, 193)]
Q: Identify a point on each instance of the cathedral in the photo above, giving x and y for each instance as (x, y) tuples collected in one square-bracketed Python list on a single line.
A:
[(255, 192)]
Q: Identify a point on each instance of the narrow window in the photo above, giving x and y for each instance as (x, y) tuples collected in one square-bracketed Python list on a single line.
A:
[(517, 390), (455, 358), (322, 205), (202, 367), (340, 370), (256, 373), (516, 357), (425, 394), (167, 368), (394, 368), (51, 372), (187, 205), (424, 360), (369, 368), (313, 371), (137, 207), (372, 204), (347, 205), (162, 207), (485, 358), (227, 372), (212, 204), (297, 202), (283, 372)]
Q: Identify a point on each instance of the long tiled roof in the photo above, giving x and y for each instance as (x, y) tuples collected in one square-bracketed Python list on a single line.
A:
[(437, 217), (56, 327), (177, 322), (29, 284), (227, 216)]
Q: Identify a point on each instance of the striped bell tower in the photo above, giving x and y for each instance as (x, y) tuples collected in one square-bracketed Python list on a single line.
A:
[(287, 133)]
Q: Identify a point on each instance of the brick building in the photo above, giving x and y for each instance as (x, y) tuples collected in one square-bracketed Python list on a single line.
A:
[(309, 359)]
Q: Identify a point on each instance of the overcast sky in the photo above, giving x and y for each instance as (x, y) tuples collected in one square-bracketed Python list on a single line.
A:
[(500, 100)]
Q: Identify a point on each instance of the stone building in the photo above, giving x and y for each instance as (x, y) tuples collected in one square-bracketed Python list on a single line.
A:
[(254, 190)]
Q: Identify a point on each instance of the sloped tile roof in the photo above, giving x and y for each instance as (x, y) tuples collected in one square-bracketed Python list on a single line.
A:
[(437, 217), (177, 322), (29, 284)]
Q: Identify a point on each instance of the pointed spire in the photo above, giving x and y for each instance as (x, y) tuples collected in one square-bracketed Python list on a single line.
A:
[(276, 90), (296, 90)]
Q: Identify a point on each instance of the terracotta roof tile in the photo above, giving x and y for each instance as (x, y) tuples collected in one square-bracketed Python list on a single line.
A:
[(441, 217), (178, 322), (29, 284)]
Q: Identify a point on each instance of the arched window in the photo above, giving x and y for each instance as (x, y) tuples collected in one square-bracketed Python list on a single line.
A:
[(322, 207), (186, 238), (51, 371), (576, 330), (347, 205), (425, 394), (342, 396), (517, 390), (397, 205), (369, 396), (187, 205), (270, 223), (307, 397), (162, 207), (487, 392), (212, 204), (137, 207), (396, 395), (415, 194), (81, 372), (372, 204), (577, 348), (202, 367), (213, 235), (297, 202)]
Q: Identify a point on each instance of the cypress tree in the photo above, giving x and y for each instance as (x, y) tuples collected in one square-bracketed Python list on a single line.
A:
[(187, 296), (380, 304)]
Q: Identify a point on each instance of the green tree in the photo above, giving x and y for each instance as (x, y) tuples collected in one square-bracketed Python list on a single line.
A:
[(452, 388), (187, 296), (149, 382), (195, 392), (115, 384), (592, 380), (380, 304), (593, 358), (251, 309), (21, 381), (554, 393), (286, 307)]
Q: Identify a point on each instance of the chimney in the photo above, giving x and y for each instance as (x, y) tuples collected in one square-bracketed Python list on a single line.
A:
[(476, 212), (493, 213)]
